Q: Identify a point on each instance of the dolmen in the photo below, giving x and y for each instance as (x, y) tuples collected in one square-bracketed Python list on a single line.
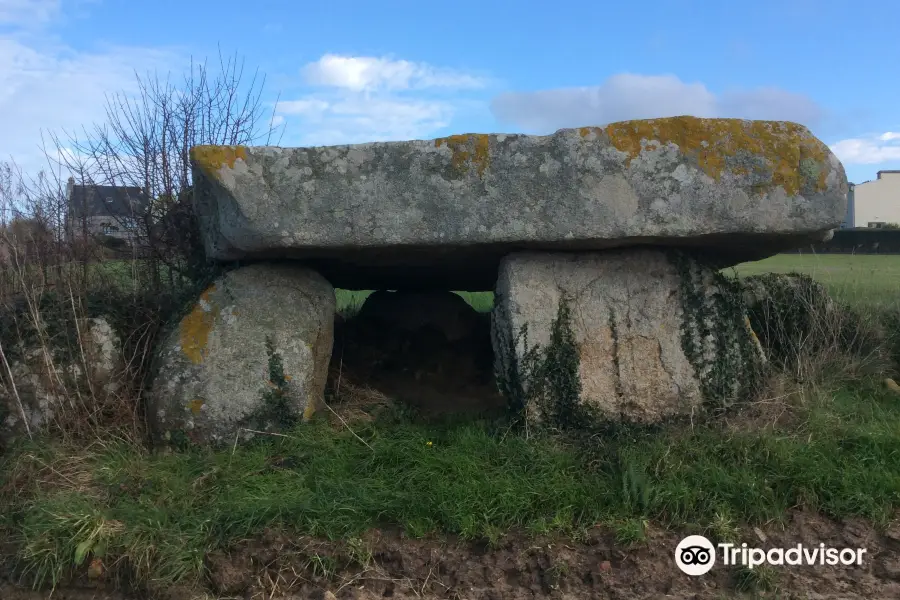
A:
[(604, 247)]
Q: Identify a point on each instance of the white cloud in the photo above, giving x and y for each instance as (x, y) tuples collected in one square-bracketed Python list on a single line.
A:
[(362, 73), (869, 150), (368, 99), (28, 12), (630, 96), (354, 119), (46, 86)]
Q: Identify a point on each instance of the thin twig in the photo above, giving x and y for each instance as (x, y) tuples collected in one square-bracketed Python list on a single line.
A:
[(12, 385)]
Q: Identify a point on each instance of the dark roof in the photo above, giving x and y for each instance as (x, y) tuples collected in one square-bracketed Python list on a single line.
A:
[(107, 200)]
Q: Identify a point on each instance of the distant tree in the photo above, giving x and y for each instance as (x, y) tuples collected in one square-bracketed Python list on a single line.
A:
[(145, 142)]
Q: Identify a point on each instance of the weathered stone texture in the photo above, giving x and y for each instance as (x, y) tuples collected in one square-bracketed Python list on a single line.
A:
[(253, 353), (47, 381), (442, 213), (632, 312)]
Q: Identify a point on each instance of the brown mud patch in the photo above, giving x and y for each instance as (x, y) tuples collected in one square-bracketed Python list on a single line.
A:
[(387, 565)]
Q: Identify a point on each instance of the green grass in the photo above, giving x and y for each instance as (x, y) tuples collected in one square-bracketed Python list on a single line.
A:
[(164, 511), (350, 301), (863, 280), (868, 280)]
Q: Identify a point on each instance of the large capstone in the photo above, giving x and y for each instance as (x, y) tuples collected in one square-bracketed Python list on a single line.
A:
[(252, 355), (442, 213), (636, 335)]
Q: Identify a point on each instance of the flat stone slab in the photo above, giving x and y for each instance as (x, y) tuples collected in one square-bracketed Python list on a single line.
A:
[(442, 213)]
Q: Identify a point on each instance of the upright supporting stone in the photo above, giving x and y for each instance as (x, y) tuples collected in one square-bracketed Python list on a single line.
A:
[(627, 335), (252, 354)]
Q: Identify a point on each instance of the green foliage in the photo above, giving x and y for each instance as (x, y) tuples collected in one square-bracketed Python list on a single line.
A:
[(714, 335), (545, 378), (762, 578), (891, 323), (794, 317), (163, 512), (863, 281), (276, 412)]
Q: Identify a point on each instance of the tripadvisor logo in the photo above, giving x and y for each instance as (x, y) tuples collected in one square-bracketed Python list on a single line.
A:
[(696, 555)]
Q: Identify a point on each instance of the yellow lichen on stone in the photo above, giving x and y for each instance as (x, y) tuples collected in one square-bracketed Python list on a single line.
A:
[(195, 327), (711, 141), (213, 158), (468, 149), (196, 405)]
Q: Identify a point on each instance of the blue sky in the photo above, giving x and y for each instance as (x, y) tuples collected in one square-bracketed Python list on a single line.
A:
[(357, 71)]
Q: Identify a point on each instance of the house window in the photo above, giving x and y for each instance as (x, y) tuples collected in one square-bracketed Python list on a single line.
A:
[(109, 229)]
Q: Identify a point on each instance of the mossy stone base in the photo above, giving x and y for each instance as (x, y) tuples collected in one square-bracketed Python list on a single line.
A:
[(636, 335)]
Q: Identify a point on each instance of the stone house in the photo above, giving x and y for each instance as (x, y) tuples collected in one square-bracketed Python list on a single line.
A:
[(101, 210)]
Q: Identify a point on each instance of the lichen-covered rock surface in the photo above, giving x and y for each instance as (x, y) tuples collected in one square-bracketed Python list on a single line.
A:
[(252, 354), (47, 380), (442, 213), (636, 335)]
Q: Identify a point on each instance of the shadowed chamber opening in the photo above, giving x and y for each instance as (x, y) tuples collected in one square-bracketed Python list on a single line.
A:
[(426, 351)]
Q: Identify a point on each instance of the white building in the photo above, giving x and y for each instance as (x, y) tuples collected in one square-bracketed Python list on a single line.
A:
[(875, 203)]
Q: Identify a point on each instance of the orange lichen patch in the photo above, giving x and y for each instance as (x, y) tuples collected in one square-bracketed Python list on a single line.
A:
[(784, 145), (196, 405), (213, 158), (586, 131), (196, 326), (468, 149)]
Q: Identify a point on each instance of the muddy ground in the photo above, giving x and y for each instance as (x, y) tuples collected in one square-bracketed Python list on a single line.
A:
[(437, 377), (386, 565)]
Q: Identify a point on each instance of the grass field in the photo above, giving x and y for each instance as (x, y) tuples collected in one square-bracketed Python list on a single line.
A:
[(862, 280), (871, 281), (838, 453)]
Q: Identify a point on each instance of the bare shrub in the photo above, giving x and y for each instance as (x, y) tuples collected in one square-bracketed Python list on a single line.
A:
[(55, 277), (145, 142)]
